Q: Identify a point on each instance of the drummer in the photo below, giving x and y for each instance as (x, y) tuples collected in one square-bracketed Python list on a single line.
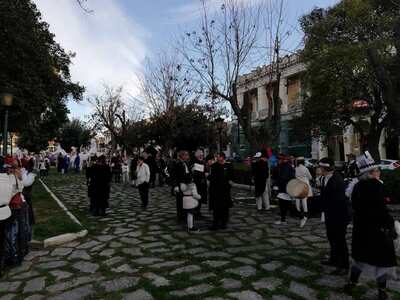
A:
[(304, 175), (284, 173)]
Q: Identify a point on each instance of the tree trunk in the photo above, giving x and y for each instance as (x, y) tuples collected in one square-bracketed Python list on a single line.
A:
[(373, 137), (244, 116)]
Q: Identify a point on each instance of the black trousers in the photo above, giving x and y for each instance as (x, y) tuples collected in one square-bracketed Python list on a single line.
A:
[(144, 193), (2, 243), (339, 254), (180, 214), (284, 206), (220, 217)]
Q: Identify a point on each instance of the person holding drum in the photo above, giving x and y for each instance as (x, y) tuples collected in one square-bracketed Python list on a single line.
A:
[(284, 173), (304, 175)]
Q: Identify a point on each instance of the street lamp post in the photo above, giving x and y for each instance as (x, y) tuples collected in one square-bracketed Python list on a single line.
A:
[(220, 126), (6, 101)]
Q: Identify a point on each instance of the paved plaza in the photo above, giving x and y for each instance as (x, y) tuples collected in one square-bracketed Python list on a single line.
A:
[(143, 255)]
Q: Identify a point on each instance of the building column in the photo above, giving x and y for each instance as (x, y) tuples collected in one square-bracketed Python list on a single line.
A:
[(382, 146), (262, 97)]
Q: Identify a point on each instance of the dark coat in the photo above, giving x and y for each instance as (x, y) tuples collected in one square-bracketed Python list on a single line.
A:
[(182, 173), (283, 173), (220, 188), (334, 202), (260, 173), (100, 178), (371, 218), (199, 179)]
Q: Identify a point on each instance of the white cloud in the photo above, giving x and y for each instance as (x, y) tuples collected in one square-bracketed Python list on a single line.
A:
[(109, 45)]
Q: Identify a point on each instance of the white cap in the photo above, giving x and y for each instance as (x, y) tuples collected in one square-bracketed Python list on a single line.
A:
[(258, 155)]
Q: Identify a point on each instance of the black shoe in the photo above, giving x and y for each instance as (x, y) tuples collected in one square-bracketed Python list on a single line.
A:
[(382, 294), (349, 288), (194, 229)]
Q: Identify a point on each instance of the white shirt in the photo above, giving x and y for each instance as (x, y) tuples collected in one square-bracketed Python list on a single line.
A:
[(27, 178), (303, 174), (142, 173)]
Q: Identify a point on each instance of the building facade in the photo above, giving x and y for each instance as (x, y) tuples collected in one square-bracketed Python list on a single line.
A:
[(258, 84)]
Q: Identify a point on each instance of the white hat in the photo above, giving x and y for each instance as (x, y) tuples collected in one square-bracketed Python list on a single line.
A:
[(366, 163), (258, 155)]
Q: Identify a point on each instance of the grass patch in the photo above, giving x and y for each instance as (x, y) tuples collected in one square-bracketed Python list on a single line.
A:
[(51, 220)]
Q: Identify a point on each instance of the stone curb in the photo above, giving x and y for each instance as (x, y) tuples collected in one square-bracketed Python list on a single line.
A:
[(243, 186), (66, 237), (63, 238)]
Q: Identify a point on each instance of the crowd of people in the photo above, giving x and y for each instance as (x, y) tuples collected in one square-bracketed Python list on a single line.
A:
[(199, 180), (359, 201), (17, 217)]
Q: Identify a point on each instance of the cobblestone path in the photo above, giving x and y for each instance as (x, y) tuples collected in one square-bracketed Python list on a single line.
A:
[(143, 255)]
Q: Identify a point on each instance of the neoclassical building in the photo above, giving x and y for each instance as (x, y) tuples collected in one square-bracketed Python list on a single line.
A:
[(256, 85)]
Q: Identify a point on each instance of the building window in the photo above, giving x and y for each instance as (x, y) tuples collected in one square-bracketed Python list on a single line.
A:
[(293, 91)]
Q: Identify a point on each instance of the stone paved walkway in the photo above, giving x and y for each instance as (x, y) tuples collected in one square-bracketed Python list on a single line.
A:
[(144, 255)]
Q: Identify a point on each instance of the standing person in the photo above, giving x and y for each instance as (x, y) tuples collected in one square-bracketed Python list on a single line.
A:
[(66, 162), (142, 181), (303, 174), (220, 192), (283, 173), (199, 179), (161, 165), (90, 183), (132, 169), (182, 174), (151, 163), (28, 179), (77, 163), (5, 211), (190, 202), (336, 215), (18, 229), (100, 182), (373, 229), (125, 172), (261, 181), (60, 163), (116, 168)]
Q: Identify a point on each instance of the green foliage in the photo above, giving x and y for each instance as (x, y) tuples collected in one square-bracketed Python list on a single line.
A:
[(74, 134), (189, 126), (49, 224), (391, 180), (242, 174), (340, 69), (35, 69)]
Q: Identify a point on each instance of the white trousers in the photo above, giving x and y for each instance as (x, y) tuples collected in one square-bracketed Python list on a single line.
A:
[(264, 198), (125, 177), (190, 220), (301, 203)]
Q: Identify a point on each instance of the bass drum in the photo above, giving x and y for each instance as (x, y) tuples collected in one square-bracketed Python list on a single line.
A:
[(297, 189)]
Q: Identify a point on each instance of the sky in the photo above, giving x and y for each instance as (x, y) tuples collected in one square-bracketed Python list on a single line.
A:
[(112, 42)]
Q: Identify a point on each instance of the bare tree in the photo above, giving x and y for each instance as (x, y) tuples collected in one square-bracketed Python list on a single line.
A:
[(81, 3), (221, 50), (113, 114), (165, 84), (230, 43)]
